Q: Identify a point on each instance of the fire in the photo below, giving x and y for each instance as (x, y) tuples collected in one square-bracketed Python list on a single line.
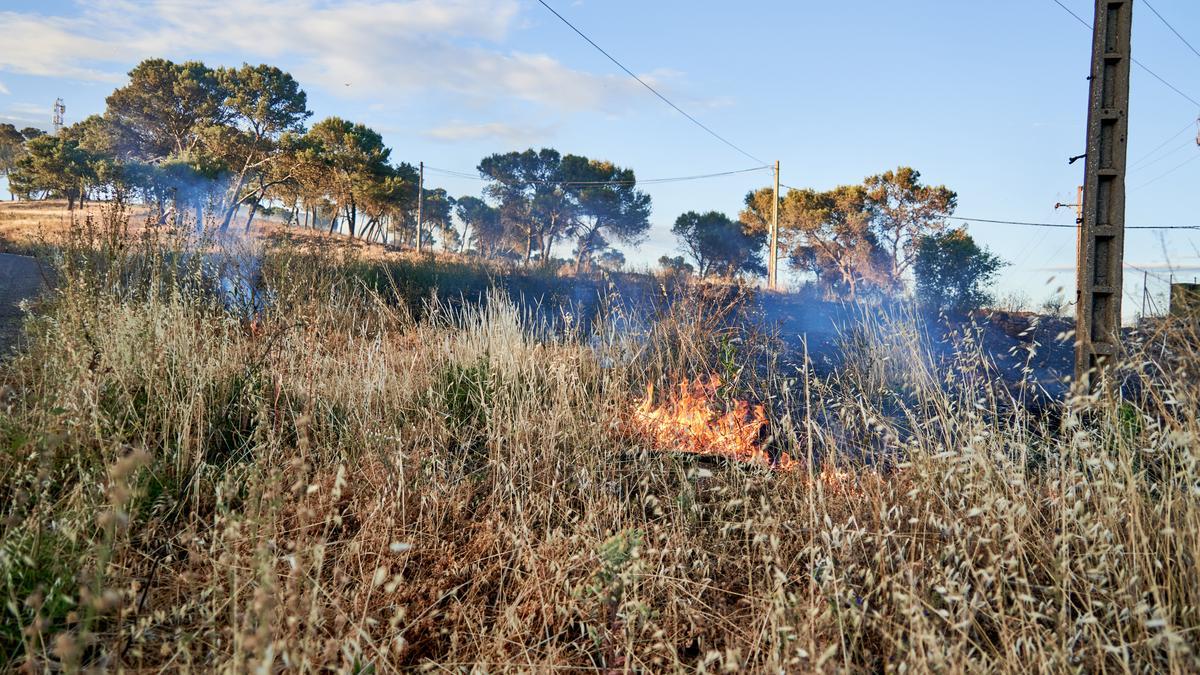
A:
[(688, 421)]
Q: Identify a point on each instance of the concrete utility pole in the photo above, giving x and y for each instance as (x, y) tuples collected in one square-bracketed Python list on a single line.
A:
[(1101, 249), (773, 256), (420, 204)]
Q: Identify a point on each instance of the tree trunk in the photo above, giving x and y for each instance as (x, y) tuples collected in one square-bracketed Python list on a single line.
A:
[(234, 204), (253, 210), (585, 250), (351, 214)]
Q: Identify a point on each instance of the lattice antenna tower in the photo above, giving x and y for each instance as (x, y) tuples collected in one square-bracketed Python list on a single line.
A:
[(60, 109)]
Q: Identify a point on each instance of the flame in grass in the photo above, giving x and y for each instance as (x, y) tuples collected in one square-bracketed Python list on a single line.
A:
[(690, 421)]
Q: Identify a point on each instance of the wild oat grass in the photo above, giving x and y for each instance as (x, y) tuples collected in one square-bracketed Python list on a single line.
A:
[(339, 484)]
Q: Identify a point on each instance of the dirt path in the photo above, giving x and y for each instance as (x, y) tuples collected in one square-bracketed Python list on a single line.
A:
[(20, 279)]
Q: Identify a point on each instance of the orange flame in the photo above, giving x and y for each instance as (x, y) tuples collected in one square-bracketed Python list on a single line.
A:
[(688, 422)]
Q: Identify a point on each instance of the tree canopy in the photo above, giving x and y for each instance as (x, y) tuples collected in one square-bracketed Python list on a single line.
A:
[(182, 135), (856, 240), (12, 147), (952, 272), (719, 245), (53, 165), (544, 197)]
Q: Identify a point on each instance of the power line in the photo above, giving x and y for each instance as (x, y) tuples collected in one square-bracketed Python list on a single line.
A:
[(1147, 272), (1137, 63), (1160, 79), (647, 86), (585, 183), (1072, 13), (1189, 126), (1012, 222), (1187, 143), (1066, 226), (1168, 25), (1168, 173)]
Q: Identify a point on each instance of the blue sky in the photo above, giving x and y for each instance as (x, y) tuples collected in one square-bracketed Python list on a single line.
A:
[(987, 98)]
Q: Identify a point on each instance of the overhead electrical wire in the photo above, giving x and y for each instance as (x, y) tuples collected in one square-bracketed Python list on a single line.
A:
[(584, 183), (764, 166), (1172, 28), (1137, 63), (1187, 144), (1168, 173), (654, 91), (1188, 127), (1147, 272), (1066, 226)]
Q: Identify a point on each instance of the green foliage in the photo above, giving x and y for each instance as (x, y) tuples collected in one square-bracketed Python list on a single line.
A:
[(833, 238), (351, 160), (12, 146), (856, 239), (904, 210), (482, 226), (608, 205), (53, 166), (166, 106), (263, 99), (43, 570), (952, 272), (719, 245), (544, 197), (610, 259), (675, 265), (467, 395), (615, 555)]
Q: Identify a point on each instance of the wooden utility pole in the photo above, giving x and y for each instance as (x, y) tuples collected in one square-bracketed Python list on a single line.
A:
[(1077, 206), (420, 204), (773, 256), (1101, 249)]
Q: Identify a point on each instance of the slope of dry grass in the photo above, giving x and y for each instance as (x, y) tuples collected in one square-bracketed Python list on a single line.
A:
[(27, 225), (337, 485)]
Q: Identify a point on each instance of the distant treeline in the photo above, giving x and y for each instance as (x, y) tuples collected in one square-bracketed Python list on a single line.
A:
[(190, 140)]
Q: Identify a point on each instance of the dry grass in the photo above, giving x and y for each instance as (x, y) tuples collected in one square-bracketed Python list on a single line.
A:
[(26, 226), (339, 486)]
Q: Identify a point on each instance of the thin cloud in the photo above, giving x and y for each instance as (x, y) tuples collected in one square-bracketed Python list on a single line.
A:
[(461, 131), (360, 48), (30, 114), (4, 89)]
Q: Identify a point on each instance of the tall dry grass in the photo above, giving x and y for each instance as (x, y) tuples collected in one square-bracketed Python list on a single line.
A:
[(337, 485)]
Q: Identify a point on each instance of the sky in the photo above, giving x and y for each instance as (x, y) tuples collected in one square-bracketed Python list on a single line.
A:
[(987, 98)]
